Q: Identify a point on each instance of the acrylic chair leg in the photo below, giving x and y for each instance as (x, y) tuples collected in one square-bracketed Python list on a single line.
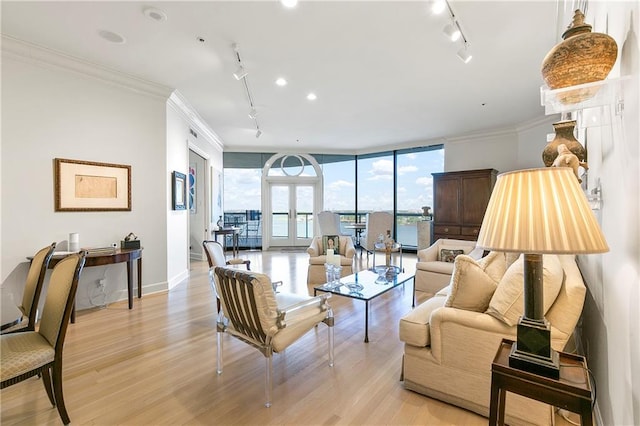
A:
[(267, 382), (331, 346), (329, 320), (219, 360)]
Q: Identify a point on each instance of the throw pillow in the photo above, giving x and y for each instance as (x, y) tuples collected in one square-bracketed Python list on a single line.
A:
[(331, 242), (507, 303), (448, 255), (473, 282)]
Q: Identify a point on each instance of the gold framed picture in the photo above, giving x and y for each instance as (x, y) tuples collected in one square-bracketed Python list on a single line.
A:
[(83, 186)]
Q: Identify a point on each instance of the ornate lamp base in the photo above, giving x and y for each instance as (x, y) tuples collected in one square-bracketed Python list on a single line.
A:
[(532, 351)]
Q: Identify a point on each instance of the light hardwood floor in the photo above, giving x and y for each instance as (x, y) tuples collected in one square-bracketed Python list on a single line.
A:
[(156, 365)]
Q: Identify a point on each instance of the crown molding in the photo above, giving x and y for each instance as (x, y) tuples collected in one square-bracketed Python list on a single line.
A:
[(180, 104), (43, 56)]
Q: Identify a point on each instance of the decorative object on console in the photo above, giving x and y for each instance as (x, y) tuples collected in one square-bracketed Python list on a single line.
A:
[(567, 158), (582, 57), (564, 136), (553, 217), (131, 241), (74, 241)]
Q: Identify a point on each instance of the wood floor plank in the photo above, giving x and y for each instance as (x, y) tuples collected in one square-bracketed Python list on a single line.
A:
[(156, 365)]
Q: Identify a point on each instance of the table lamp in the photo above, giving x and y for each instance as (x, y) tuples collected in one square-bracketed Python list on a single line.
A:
[(536, 212)]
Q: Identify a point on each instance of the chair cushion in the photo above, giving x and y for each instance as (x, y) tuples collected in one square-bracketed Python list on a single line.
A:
[(265, 303), (507, 303), (297, 322), (414, 326), (23, 352), (473, 282)]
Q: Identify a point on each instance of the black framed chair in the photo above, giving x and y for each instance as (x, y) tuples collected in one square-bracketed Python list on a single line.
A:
[(32, 290), (39, 353)]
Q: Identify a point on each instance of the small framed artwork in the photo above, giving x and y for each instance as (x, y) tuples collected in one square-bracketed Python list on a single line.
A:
[(89, 186), (178, 193)]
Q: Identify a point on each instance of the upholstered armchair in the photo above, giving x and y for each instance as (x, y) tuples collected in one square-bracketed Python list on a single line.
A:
[(317, 259), (264, 319), (434, 266)]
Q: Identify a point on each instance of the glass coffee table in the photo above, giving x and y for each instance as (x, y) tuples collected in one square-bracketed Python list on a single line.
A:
[(366, 285)]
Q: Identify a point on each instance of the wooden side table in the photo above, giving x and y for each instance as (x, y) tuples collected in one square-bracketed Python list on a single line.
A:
[(571, 392)]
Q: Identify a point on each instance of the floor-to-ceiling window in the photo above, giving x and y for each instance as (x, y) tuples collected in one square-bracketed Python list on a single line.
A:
[(339, 195), (375, 180), (398, 182), (414, 188)]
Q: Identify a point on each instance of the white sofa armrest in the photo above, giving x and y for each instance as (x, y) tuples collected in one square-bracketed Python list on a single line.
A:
[(313, 248), (350, 251), (429, 254), (457, 334)]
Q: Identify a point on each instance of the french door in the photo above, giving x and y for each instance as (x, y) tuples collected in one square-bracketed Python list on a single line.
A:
[(292, 208)]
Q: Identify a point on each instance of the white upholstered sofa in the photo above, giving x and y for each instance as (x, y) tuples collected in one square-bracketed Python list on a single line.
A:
[(448, 350), (432, 273)]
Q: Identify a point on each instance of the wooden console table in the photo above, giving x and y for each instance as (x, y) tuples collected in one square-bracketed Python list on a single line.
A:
[(101, 259), (571, 392), (234, 232)]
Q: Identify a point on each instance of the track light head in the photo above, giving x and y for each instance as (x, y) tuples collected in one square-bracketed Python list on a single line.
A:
[(258, 133), (240, 73), (452, 31), (464, 55), (253, 113)]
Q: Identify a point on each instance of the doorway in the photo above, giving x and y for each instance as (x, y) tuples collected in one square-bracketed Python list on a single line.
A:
[(197, 205), (292, 190)]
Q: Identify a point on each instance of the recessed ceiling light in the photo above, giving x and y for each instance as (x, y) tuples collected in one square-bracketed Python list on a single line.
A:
[(155, 14), (281, 82), (312, 96), (111, 36), (289, 3)]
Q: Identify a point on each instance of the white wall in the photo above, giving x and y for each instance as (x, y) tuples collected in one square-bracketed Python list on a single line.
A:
[(497, 150), (53, 111), (612, 310), (180, 119)]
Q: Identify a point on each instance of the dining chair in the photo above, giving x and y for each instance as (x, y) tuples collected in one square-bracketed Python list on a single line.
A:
[(377, 223), (30, 353), (32, 290), (270, 322)]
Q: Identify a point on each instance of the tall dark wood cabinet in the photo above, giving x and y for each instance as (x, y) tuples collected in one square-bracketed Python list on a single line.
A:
[(459, 202)]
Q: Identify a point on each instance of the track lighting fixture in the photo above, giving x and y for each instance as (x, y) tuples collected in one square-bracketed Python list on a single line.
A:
[(240, 73), (464, 54), (289, 3), (452, 31)]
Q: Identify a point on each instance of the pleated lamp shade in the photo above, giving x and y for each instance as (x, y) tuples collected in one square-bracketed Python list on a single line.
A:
[(540, 211)]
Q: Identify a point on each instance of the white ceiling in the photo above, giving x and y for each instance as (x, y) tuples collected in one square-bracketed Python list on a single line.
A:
[(383, 72)]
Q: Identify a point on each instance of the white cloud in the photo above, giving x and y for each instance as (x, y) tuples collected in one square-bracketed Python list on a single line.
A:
[(407, 169)]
